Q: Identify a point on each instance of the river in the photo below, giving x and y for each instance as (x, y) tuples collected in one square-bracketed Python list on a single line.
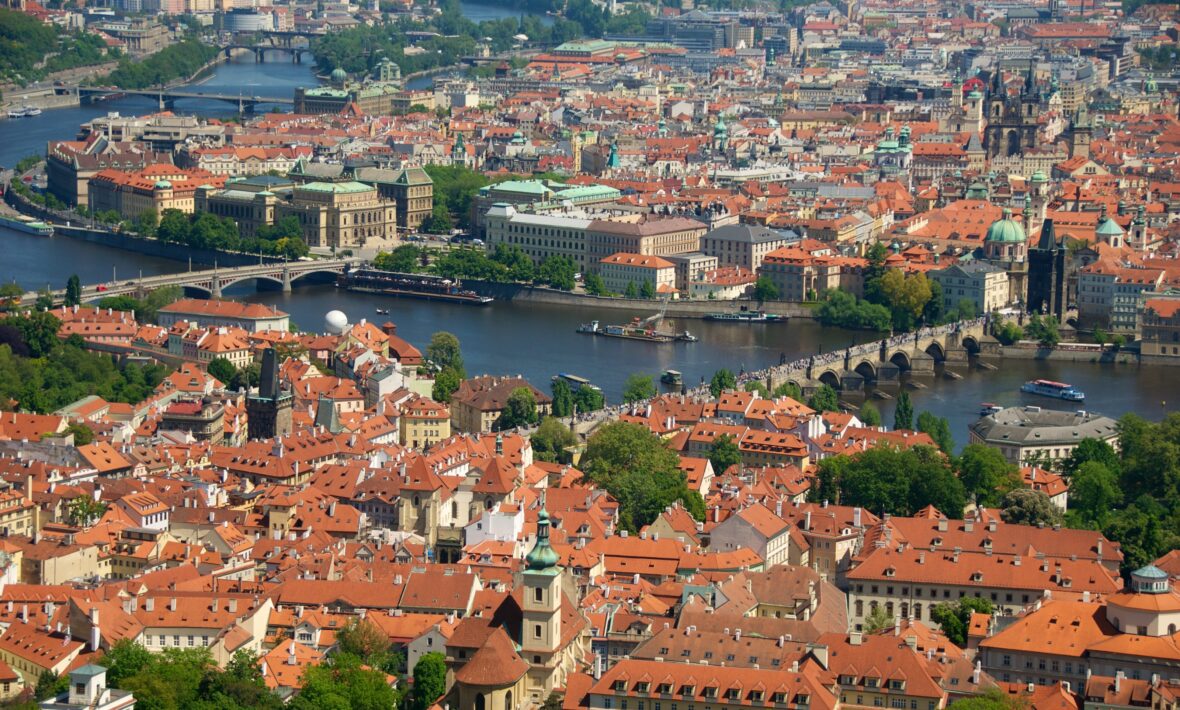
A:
[(534, 340)]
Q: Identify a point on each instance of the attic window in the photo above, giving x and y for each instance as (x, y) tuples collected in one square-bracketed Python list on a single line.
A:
[(664, 689), (688, 689), (977, 576), (779, 698), (871, 682), (620, 685)]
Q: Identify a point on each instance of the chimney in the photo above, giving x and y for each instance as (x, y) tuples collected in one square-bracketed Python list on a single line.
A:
[(854, 638), (807, 520), (149, 604), (897, 626), (291, 655), (856, 517), (94, 632), (1118, 681), (975, 673), (968, 525), (232, 606), (942, 525), (172, 604)]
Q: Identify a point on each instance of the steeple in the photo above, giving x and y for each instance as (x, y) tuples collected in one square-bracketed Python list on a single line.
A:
[(542, 558)]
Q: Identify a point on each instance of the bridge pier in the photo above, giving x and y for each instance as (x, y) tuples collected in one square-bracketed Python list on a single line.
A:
[(921, 365), (259, 56), (888, 375), (286, 279), (851, 382), (958, 359)]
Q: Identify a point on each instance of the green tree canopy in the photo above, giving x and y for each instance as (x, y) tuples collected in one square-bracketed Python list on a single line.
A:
[(724, 453), (638, 387), (869, 414), (1025, 506), (520, 410), (430, 680), (722, 380), (825, 399), (222, 369), (939, 429), (551, 439), (890, 480), (765, 290), (903, 413), (639, 470), (444, 351), (986, 474)]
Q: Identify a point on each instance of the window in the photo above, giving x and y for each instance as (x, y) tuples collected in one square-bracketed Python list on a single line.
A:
[(538, 594), (536, 631)]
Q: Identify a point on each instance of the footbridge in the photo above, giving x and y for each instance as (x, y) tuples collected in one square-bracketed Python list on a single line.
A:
[(210, 281), (882, 362)]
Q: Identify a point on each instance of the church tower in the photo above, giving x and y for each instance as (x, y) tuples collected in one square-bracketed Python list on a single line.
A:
[(1079, 134), (540, 637), (1011, 120)]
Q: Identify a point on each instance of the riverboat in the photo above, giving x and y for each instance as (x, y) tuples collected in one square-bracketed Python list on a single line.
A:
[(576, 381), (632, 331), (745, 316), (28, 225), (423, 286), (24, 112), (1049, 388), (988, 408), (672, 377)]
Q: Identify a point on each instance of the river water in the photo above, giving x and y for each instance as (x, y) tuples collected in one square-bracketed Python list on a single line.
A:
[(536, 341)]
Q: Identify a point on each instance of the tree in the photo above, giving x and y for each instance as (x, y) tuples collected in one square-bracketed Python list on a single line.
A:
[(1091, 449), (765, 290), (906, 295), (594, 284), (444, 351), (589, 399), (825, 399), (146, 223), (430, 680), (789, 389), (519, 410), (551, 439), (1042, 330), (1025, 506), (986, 474), (844, 310), (903, 414), (724, 453), (84, 510), (647, 290), (877, 620), (1100, 336), (403, 259), (869, 415), (10, 295), (993, 699), (722, 380), (638, 387), (50, 685), (365, 640), (885, 479), (344, 684), (639, 470), (124, 659), (439, 221), (73, 291), (954, 618), (446, 382), (939, 429), (558, 271), (1094, 494), (83, 434), (563, 397), (757, 388), (631, 291), (44, 300), (222, 369)]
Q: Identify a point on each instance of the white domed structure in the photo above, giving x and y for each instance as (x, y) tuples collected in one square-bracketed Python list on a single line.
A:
[(335, 322)]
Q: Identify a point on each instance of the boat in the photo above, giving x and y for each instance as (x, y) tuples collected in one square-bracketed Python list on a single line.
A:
[(382, 311), (632, 331), (28, 225), (16, 112), (672, 377), (746, 316), (1049, 388), (988, 408), (32, 111), (423, 286), (687, 337), (576, 381)]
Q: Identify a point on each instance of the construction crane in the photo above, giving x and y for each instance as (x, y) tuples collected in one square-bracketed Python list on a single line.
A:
[(654, 321)]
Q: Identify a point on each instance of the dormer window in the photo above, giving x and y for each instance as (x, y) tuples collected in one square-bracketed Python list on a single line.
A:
[(710, 692), (620, 685), (803, 699), (977, 576), (642, 687), (756, 696), (688, 689), (733, 694), (847, 680), (664, 689), (778, 698), (871, 682), (897, 685), (890, 571)]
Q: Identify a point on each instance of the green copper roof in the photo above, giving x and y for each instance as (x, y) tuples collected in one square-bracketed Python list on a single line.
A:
[(1107, 227), (542, 558), (1006, 230), (338, 188)]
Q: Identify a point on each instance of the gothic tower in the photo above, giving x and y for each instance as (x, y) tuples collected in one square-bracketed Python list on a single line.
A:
[(1011, 120)]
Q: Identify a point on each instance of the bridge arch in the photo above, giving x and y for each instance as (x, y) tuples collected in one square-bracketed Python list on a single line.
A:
[(259, 277), (866, 369), (901, 358), (830, 378), (971, 344), (936, 351)]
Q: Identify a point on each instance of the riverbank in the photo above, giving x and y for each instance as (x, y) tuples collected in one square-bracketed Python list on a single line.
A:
[(523, 293), (1073, 352)]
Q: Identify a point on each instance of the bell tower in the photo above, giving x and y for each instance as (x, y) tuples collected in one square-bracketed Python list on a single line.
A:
[(541, 581)]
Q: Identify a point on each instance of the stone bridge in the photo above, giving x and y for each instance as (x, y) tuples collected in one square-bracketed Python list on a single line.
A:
[(210, 281), (882, 362)]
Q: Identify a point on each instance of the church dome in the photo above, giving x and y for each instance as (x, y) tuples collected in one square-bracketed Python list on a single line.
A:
[(1006, 230), (1039, 176), (977, 191), (163, 185), (1107, 228), (339, 75), (542, 557)]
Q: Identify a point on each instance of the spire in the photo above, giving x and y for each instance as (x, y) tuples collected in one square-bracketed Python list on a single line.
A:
[(542, 557)]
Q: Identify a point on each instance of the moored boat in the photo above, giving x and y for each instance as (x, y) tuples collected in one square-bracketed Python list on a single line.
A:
[(671, 377), (28, 225)]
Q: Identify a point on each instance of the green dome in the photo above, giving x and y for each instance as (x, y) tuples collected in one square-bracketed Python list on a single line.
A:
[(542, 557), (977, 191), (339, 75), (1006, 230), (1107, 228), (720, 129), (163, 185), (1039, 176), (975, 95)]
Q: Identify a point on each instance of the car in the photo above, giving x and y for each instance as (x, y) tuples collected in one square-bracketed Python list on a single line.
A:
[(100, 288), (477, 242)]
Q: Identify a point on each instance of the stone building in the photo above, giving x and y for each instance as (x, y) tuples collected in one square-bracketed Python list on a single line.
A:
[(340, 215)]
